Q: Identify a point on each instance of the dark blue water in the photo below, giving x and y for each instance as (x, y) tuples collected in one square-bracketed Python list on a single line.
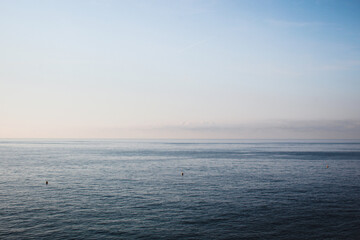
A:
[(133, 189)]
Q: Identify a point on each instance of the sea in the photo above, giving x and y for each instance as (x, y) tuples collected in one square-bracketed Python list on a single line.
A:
[(179, 189)]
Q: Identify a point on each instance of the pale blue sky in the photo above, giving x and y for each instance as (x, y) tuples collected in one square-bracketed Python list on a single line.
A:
[(195, 69)]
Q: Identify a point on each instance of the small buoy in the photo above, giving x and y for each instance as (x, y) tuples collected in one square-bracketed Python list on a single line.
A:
[(327, 166), (182, 174), (46, 182)]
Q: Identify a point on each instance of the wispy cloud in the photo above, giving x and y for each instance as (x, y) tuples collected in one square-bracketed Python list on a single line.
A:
[(193, 45), (281, 129), (340, 129), (101, 2), (285, 23), (344, 65)]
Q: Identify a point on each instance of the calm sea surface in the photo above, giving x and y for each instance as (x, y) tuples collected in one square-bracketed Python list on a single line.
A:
[(133, 189)]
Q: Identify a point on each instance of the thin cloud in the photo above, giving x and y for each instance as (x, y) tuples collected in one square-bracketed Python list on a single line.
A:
[(336, 129), (284, 23), (345, 65), (281, 129), (193, 45)]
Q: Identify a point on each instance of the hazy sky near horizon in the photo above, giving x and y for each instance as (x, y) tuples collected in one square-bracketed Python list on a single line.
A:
[(180, 69)]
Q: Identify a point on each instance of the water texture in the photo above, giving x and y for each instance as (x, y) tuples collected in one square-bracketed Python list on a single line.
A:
[(133, 189)]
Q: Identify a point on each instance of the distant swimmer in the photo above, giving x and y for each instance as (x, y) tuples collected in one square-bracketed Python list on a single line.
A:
[(46, 182), (182, 174)]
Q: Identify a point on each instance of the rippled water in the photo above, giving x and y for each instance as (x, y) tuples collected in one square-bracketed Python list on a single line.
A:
[(132, 189)]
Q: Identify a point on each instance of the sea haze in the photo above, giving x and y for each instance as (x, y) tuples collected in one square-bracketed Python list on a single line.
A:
[(134, 189)]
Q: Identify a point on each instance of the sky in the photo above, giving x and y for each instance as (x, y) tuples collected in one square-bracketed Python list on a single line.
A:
[(180, 69)]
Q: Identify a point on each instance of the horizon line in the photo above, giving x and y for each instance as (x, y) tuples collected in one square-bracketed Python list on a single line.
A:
[(95, 138)]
